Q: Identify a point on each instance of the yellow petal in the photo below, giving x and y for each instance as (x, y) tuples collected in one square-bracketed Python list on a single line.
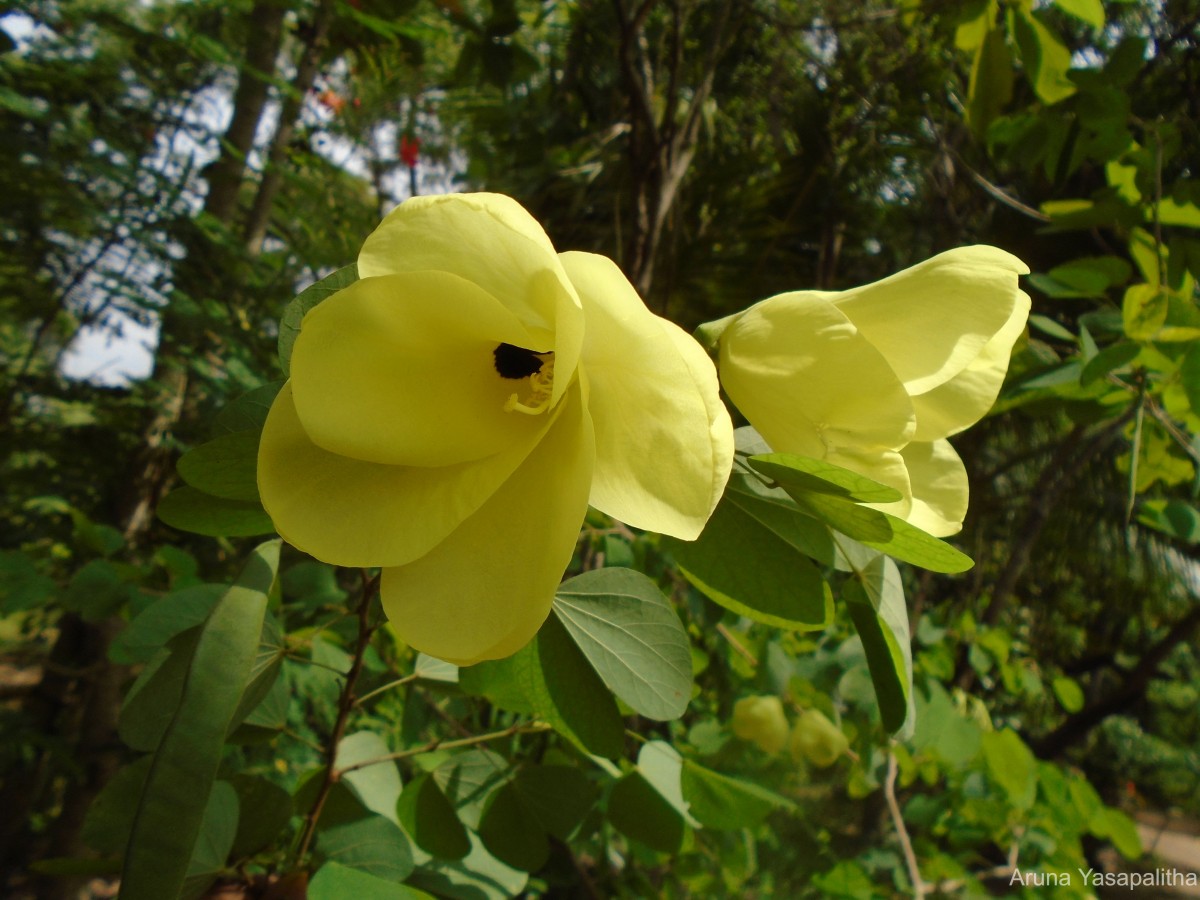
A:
[(491, 241), (811, 384), (400, 369), (932, 320), (965, 399), (486, 589), (353, 513), (664, 441), (939, 487)]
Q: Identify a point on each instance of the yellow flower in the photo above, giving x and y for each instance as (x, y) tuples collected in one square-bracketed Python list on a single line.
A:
[(452, 413), (761, 721), (875, 378)]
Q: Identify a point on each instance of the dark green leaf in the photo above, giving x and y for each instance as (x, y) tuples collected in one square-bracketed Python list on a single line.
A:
[(632, 637), (374, 845), (875, 599), (216, 840), (469, 779), (721, 802), (479, 876), (430, 820), (21, 585), (189, 509), (110, 817), (511, 834), (311, 296), (800, 473), (265, 809), (1107, 360), (226, 466), (171, 811), (744, 566), (249, 411), (334, 881), (565, 691), (641, 813), (173, 614)]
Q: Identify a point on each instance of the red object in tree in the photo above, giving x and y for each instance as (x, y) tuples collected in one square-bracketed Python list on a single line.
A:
[(332, 101), (409, 149)]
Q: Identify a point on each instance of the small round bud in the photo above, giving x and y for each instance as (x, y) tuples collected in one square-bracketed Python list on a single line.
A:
[(817, 740)]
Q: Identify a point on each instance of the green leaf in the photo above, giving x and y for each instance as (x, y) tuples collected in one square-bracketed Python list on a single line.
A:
[(539, 801), (334, 881), (109, 819), (802, 473), (265, 810), (777, 512), (1090, 11), (1107, 360), (1049, 326), (21, 585), (990, 87), (633, 638), (744, 565), (565, 690), (375, 845), (859, 522), (725, 803), (189, 509), (641, 813), (184, 768), (1177, 518), (1189, 376), (249, 411), (1069, 693), (469, 779), (875, 599), (1011, 765), (1144, 311), (1045, 58), (154, 626), (662, 766), (216, 840), (498, 681), (1120, 829), (479, 876), (225, 467), (376, 786), (511, 834), (289, 324), (96, 591), (154, 697), (430, 820)]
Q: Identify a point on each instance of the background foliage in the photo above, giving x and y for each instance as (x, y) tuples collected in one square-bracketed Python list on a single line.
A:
[(175, 173)]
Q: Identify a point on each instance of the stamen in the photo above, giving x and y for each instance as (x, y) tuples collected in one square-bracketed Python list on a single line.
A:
[(541, 386)]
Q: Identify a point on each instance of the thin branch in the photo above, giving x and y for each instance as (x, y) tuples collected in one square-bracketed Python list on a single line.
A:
[(511, 731), (910, 858), (345, 705), (387, 687)]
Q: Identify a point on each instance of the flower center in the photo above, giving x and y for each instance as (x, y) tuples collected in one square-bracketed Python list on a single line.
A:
[(516, 363)]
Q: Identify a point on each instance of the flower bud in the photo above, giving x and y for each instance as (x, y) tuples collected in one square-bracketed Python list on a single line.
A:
[(761, 721)]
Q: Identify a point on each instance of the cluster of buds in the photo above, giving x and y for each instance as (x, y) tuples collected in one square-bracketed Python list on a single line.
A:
[(761, 721)]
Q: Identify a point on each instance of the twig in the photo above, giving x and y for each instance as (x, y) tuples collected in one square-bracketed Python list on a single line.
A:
[(345, 706), (920, 888), (511, 731), (737, 645), (387, 687)]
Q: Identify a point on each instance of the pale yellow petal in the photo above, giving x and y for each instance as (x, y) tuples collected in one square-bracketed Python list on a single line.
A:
[(965, 399), (491, 241), (811, 384), (939, 487), (485, 590), (400, 369), (353, 513), (664, 441), (932, 320)]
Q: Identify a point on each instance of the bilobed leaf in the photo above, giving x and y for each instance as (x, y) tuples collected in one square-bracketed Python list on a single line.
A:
[(184, 768), (565, 690), (718, 801), (334, 881), (539, 801), (22, 586), (110, 817), (875, 599), (190, 509), (153, 699), (662, 766), (859, 522), (632, 637), (1177, 518), (1107, 360), (478, 876), (375, 845), (289, 324), (991, 83), (430, 820), (498, 681), (377, 786), (802, 473), (430, 668), (226, 466), (511, 834), (745, 566), (778, 513), (469, 779)]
